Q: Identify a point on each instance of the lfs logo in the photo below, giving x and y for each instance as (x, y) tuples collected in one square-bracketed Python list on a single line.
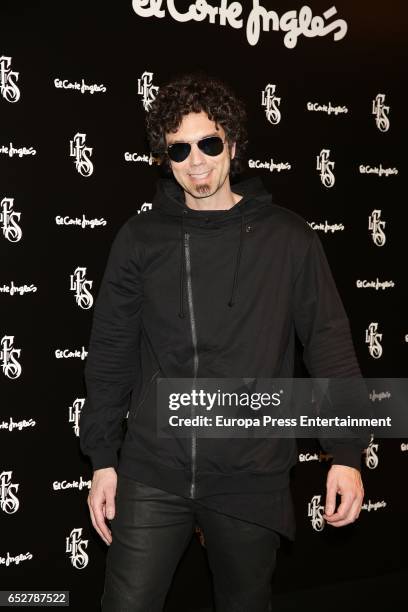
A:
[(315, 511), (371, 458), (75, 413), (325, 166), (380, 111), (144, 207), (8, 86), (271, 104), (76, 545), (9, 503), (81, 153), (10, 366), (373, 340), (147, 90), (375, 224), (9, 217), (81, 286)]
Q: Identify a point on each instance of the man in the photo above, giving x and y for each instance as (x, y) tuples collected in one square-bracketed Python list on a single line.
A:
[(214, 282)]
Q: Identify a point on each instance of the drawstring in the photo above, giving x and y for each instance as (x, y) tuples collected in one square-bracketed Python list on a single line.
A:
[(181, 311), (182, 263), (241, 235)]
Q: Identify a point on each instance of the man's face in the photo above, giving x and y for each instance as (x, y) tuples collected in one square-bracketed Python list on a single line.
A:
[(199, 174)]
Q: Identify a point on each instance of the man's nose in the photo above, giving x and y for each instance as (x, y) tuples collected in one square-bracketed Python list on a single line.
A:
[(196, 156)]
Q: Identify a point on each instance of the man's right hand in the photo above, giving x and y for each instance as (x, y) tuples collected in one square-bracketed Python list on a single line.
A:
[(101, 501)]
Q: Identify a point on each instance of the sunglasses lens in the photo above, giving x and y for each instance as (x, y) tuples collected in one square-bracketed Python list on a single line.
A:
[(211, 146), (179, 151)]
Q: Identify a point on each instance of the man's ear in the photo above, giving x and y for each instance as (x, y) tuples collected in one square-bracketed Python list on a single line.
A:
[(233, 149)]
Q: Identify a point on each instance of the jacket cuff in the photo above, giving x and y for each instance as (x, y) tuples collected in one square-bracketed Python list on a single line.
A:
[(104, 458), (347, 454)]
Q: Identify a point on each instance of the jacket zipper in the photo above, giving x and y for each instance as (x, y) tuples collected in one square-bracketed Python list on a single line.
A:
[(195, 358)]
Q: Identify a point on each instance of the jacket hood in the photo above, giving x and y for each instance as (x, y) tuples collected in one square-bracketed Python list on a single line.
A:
[(169, 198)]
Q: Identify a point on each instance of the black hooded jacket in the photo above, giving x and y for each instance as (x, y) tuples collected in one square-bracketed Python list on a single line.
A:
[(209, 294)]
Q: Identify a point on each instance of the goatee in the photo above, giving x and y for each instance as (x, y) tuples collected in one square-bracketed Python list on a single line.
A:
[(203, 189)]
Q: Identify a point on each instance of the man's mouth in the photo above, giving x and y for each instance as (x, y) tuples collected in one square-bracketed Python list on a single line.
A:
[(200, 175)]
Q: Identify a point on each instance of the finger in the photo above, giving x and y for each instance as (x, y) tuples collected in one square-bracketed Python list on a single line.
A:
[(350, 519), (110, 505), (99, 521), (355, 509), (96, 526), (330, 505), (347, 516), (91, 512), (343, 510)]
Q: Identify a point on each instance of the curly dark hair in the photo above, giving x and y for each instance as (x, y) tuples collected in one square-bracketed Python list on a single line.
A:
[(193, 93)]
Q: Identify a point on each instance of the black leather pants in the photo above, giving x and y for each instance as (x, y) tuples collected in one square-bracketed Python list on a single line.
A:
[(150, 532)]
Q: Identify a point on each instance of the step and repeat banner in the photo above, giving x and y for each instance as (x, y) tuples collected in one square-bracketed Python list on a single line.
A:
[(326, 108)]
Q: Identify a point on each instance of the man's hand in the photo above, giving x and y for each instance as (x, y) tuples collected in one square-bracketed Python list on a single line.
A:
[(101, 501), (347, 482)]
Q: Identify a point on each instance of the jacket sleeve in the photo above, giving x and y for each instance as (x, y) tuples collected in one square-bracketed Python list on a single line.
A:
[(324, 330), (113, 353)]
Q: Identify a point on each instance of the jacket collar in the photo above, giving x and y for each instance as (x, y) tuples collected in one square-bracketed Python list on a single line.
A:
[(169, 198)]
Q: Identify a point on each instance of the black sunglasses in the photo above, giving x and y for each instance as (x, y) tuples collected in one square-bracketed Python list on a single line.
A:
[(212, 145)]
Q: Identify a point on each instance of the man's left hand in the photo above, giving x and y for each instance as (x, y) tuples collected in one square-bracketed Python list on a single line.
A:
[(346, 481)]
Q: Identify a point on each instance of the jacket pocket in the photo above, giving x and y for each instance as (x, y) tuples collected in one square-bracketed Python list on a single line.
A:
[(136, 411)]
